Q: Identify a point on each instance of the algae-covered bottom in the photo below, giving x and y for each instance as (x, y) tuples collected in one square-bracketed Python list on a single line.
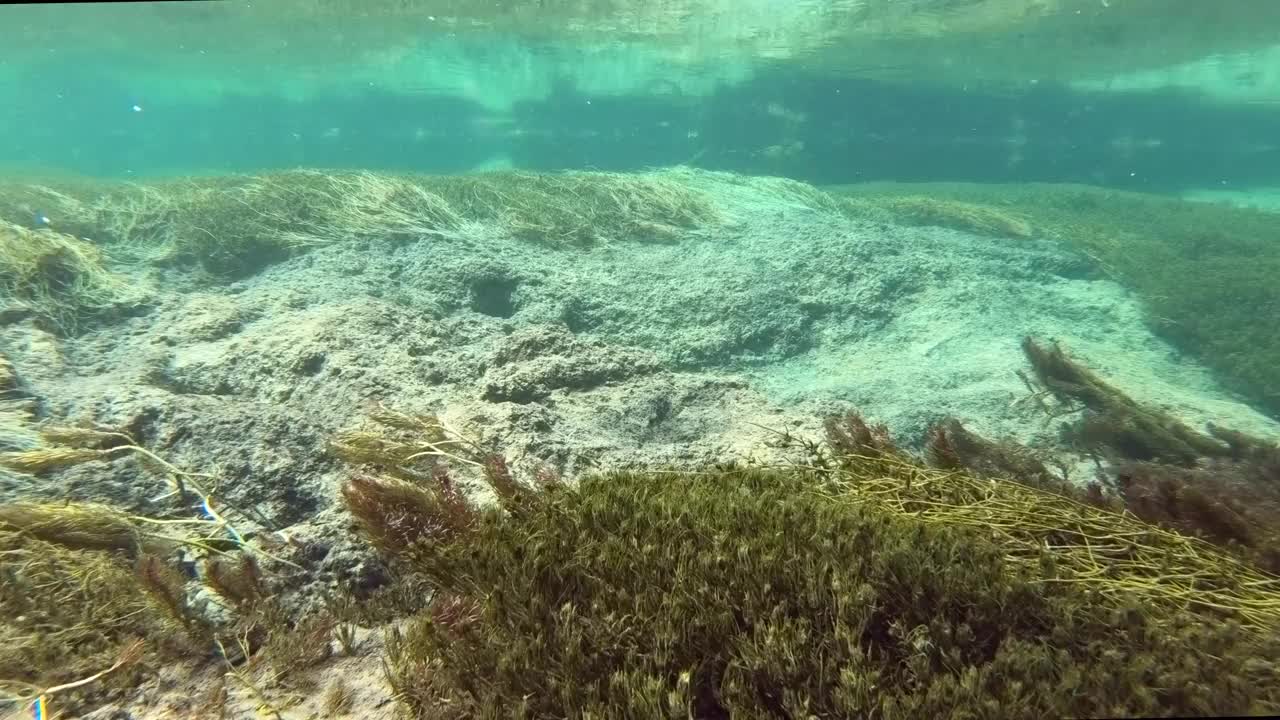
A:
[(209, 383)]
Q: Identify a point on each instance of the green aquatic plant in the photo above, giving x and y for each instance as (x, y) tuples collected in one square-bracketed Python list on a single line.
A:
[(58, 278), (853, 582), (76, 623), (237, 581), (576, 209), (233, 225), (339, 699), (951, 446), (60, 552), (1024, 510), (61, 202), (80, 526), (8, 376), (1114, 422), (66, 446), (1223, 487), (1234, 504), (926, 210), (16, 420)]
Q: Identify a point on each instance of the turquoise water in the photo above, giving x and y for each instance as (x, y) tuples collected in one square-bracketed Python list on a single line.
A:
[(825, 92)]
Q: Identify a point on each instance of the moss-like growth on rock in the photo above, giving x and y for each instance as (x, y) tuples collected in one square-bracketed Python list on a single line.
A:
[(8, 377), (91, 603), (234, 225), (60, 279), (581, 208), (976, 218), (855, 584), (70, 613), (79, 526)]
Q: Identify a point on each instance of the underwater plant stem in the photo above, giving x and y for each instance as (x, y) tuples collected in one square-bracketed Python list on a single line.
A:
[(264, 705), (170, 467), (440, 453), (131, 654), (206, 501)]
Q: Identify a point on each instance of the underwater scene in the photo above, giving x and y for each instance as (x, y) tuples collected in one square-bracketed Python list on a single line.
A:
[(613, 359)]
